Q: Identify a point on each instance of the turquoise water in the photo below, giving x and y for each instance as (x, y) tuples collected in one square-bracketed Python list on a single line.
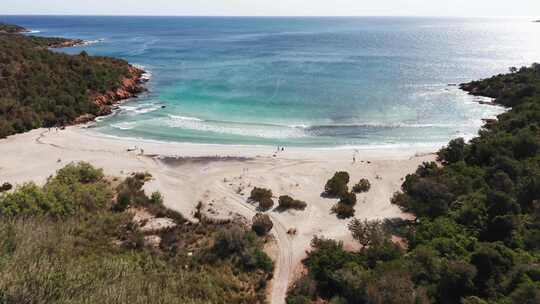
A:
[(302, 81)]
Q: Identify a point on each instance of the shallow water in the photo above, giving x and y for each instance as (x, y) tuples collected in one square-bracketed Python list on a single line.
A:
[(302, 81)]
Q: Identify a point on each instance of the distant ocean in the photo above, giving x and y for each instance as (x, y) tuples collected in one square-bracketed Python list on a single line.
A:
[(320, 82)]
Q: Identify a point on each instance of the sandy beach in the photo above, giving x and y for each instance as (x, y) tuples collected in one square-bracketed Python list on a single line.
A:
[(221, 177)]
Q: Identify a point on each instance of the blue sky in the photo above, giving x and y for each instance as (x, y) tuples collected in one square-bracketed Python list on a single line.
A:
[(276, 7)]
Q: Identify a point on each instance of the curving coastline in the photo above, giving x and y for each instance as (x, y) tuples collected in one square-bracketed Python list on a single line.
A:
[(227, 171)]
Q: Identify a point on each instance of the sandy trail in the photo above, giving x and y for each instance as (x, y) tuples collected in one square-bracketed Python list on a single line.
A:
[(222, 176)]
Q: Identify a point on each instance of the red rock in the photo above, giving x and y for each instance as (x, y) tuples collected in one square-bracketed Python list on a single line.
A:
[(130, 87)]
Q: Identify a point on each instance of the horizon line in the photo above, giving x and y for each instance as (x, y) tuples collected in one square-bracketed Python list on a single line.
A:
[(267, 16)]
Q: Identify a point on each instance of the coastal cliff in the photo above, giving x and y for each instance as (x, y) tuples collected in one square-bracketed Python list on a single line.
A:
[(130, 86)]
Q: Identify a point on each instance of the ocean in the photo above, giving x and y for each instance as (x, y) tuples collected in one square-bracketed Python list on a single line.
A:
[(316, 82)]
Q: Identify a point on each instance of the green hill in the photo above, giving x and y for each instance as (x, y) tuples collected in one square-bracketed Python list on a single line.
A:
[(11, 28), (42, 88)]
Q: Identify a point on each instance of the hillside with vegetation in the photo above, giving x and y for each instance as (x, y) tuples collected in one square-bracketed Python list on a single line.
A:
[(86, 238), (42, 88), (476, 236), (11, 28)]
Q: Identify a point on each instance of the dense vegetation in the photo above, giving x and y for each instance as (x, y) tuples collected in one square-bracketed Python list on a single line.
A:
[(476, 238), (363, 185), (11, 28), (337, 187), (42, 88), (286, 202), (75, 240)]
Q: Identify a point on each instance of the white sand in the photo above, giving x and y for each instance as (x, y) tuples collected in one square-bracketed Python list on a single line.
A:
[(224, 184)]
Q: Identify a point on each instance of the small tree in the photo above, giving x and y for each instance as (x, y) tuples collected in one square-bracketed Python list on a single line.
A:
[(123, 201), (230, 241), (362, 186), (260, 193), (287, 202), (262, 224), (368, 233), (348, 198), (263, 197), (266, 204), (337, 185), (343, 211), (454, 152), (156, 198), (5, 187)]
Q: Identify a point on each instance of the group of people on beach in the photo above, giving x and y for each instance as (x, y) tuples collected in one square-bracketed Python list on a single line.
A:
[(279, 149)]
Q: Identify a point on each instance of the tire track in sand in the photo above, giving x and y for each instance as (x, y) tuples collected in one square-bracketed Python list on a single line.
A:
[(283, 265)]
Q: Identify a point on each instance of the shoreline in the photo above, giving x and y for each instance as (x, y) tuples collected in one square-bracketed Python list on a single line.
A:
[(478, 122), (192, 149)]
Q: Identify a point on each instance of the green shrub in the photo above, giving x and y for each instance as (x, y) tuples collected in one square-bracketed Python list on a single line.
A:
[(122, 202), (156, 198), (242, 248), (231, 241), (131, 193), (337, 185), (287, 202), (254, 258), (75, 188), (348, 198), (5, 187), (304, 291), (262, 224), (362, 186), (257, 194), (454, 152), (263, 197), (266, 204), (343, 211), (81, 172), (368, 233)]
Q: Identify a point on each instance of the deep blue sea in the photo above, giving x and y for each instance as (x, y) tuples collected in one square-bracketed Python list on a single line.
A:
[(301, 81)]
